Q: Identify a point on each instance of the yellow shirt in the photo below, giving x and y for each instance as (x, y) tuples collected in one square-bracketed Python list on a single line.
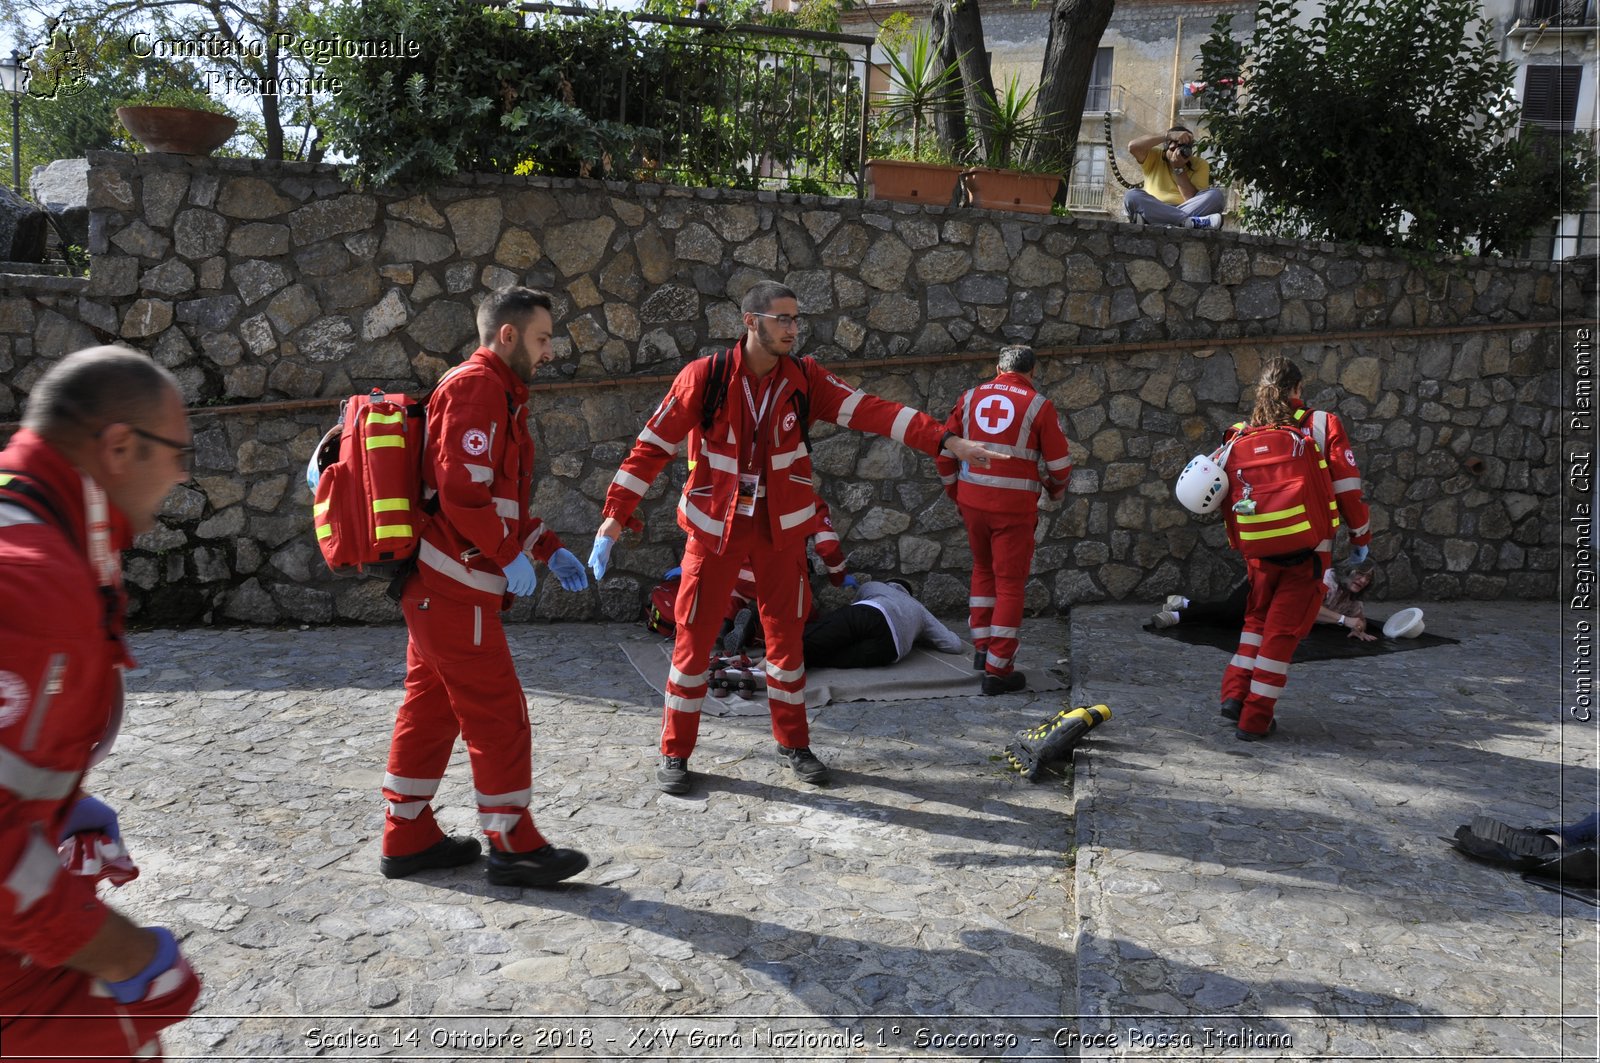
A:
[(1158, 179)]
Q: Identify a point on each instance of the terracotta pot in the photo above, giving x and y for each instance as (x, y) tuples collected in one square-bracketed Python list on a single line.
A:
[(913, 182), (178, 130), (1030, 193)]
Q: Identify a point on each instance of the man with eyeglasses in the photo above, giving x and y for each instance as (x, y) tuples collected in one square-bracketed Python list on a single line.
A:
[(750, 495), (104, 439), (1177, 183)]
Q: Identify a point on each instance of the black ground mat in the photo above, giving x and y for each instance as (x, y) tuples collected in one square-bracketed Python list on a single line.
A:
[(1327, 642)]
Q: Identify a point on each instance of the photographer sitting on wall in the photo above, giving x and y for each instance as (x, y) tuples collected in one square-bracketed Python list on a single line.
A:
[(1177, 183)]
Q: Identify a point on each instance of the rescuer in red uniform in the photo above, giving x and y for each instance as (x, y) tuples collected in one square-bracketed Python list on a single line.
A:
[(104, 440), (750, 495), (1000, 505), (476, 553), (1286, 592)]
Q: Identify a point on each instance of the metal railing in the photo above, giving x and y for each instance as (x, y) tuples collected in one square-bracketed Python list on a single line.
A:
[(1096, 197), (741, 105)]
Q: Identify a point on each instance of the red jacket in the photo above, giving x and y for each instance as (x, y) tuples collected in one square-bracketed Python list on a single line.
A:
[(1009, 416), (478, 465), (707, 504), (61, 662)]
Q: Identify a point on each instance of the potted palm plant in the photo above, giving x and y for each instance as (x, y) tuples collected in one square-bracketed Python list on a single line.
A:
[(911, 166), (1004, 181)]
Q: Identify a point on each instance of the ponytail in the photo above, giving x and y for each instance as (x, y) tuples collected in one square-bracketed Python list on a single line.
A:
[(1274, 393)]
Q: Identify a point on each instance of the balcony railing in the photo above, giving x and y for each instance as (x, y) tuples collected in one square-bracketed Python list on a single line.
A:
[(1090, 197), (1535, 14), (1103, 98)]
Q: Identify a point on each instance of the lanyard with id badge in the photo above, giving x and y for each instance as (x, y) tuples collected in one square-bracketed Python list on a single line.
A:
[(749, 480)]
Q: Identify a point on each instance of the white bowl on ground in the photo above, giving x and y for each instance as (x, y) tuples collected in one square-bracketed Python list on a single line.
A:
[(1406, 624)]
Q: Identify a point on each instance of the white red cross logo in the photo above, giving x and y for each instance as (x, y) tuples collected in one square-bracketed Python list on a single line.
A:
[(995, 414)]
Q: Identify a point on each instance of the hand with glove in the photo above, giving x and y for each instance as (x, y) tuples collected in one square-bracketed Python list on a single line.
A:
[(605, 538), (91, 814), (1358, 554), (568, 569), (520, 579), (166, 973), (849, 582)]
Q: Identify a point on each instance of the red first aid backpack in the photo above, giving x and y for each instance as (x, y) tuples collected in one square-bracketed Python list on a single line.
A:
[(368, 511), (660, 610), (1280, 495)]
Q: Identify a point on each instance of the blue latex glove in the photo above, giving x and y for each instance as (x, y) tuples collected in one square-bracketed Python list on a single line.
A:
[(849, 581), (520, 579), (131, 990), (91, 813), (673, 572), (1358, 554), (600, 556), (568, 569)]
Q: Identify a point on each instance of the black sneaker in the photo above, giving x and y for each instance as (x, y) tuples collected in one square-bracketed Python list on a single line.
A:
[(1232, 708), (672, 775), (805, 764), (1251, 736), (541, 867), (446, 852), (1004, 684), (980, 660)]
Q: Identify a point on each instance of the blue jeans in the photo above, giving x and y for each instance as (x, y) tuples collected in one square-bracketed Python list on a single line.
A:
[(1137, 200)]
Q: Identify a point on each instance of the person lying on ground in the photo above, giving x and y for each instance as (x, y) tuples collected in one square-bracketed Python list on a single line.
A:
[(1347, 584)]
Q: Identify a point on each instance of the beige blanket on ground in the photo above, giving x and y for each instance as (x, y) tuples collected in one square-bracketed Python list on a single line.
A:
[(921, 674)]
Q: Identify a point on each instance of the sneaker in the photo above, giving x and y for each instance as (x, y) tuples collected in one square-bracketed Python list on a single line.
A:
[(1206, 221), (1009, 683), (542, 867), (805, 764), (1175, 602), (1232, 708), (980, 660), (446, 852), (1164, 619), (1251, 736), (672, 775), (740, 634)]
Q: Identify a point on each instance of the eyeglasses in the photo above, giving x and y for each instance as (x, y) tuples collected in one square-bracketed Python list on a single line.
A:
[(185, 450), (783, 320)]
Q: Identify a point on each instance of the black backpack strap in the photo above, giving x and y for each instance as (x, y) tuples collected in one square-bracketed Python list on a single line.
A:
[(716, 392), (16, 486)]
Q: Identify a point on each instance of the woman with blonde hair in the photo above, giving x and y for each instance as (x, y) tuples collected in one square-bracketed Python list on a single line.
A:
[(1286, 590)]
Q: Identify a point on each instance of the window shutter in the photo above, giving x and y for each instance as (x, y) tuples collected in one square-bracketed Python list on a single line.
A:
[(1550, 96)]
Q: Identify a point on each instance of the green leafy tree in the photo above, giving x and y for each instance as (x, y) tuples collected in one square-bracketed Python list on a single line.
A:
[(1388, 122)]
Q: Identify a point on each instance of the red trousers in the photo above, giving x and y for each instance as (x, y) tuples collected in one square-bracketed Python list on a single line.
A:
[(53, 1013), (783, 598), (1002, 554), (1282, 607), (459, 680)]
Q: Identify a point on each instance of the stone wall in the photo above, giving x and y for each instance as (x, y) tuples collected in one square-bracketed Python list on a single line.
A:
[(271, 290)]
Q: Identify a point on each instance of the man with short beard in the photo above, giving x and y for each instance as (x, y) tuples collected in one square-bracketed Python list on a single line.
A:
[(476, 554), (750, 495)]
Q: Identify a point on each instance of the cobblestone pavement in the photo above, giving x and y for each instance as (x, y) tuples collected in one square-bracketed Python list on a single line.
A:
[(1293, 896), (785, 920)]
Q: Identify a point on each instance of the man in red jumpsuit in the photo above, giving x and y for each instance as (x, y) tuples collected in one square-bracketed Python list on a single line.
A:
[(750, 495), (474, 556), (1000, 505), (1286, 593), (104, 439)]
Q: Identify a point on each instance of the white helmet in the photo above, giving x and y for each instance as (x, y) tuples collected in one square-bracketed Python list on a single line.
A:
[(1202, 485)]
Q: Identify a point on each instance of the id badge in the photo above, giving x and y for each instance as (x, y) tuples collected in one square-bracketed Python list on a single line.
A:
[(749, 484)]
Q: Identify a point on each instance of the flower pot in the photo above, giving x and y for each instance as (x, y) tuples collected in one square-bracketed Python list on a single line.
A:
[(913, 182), (178, 130), (1030, 193)]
